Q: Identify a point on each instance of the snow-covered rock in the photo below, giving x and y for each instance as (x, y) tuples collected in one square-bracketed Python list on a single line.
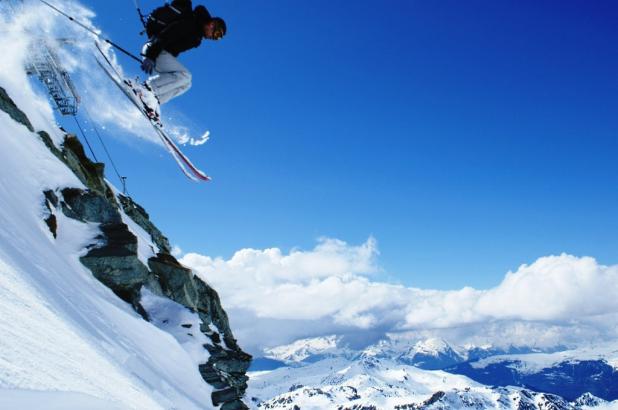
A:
[(80, 271)]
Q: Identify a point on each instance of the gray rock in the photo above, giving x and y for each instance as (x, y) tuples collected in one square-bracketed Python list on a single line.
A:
[(234, 405), (50, 145), (115, 263), (89, 206), (51, 202), (228, 395), (90, 173), (7, 105), (141, 217), (52, 199)]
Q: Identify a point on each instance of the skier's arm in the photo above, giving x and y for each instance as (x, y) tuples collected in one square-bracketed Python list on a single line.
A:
[(158, 43)]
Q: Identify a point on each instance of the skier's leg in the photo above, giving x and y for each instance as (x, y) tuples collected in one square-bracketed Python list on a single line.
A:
[(172, 79)]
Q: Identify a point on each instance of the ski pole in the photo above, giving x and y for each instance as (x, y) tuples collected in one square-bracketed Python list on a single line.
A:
[(111, 43), (139, 12)]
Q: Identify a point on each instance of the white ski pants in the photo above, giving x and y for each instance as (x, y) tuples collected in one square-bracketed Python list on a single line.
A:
[(172, 78)]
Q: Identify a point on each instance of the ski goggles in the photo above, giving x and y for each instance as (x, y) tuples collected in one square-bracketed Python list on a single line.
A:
[(217, 34)]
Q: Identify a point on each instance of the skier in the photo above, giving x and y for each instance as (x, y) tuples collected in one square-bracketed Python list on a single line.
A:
[(172, 29)]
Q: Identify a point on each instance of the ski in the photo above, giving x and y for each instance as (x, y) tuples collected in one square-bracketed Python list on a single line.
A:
[(183, 162)]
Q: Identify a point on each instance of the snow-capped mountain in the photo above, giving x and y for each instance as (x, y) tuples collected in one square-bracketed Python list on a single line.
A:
[(569, 373), (472, 353), (309, 350), (377, 383), (396, 373), (334, 381), (431, 354)]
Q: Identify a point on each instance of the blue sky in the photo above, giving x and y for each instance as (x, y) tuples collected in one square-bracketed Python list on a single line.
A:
[(466, 137)]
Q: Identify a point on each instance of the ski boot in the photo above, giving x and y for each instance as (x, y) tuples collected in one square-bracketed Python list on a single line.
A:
[(148, 98)]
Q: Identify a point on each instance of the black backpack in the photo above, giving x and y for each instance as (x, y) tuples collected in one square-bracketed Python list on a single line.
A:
[(162, 16)]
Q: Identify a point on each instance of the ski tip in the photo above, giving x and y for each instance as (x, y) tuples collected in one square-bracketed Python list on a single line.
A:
[(196, 176)]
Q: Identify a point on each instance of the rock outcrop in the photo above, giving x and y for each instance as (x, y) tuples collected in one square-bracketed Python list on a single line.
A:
[(114, 260)]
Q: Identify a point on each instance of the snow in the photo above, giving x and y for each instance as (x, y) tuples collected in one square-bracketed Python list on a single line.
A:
[(535, 362), (178, 321), (214, 329), (383, 383), (24, 399), (304, 348), (432, 346), (61, 330), (377, 376), (146, 248), (604, 406)]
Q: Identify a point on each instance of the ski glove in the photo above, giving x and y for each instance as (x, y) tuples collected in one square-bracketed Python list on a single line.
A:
[(148, 65)]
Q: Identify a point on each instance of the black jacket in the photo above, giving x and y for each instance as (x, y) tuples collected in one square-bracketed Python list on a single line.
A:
[(181, 35)]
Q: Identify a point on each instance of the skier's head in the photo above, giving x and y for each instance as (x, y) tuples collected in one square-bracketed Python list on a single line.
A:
[(215, 29)]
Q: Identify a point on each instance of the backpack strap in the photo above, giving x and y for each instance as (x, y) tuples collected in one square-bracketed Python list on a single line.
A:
[(174, 9)]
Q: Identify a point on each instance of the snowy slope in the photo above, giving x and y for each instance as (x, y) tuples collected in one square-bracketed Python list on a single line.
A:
[(61, 330)]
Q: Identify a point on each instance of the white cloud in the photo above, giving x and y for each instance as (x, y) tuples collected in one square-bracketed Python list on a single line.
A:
[(300, 285), (554, 288), (555, 300)]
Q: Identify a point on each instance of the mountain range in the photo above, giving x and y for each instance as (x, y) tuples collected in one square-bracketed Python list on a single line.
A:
[(431, 373)]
